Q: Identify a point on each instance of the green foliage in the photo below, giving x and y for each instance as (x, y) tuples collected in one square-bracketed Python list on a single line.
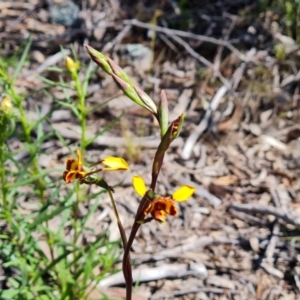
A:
[(42, 250), (289, 15)]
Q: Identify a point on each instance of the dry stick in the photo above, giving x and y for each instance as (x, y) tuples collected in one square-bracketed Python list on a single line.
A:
[(110, 45), (71, 131), (12, 25), (268, 262), (191, 141), (184, 34), (163, 271), (50, 61), (203, 60), (268, 210), (168, 42), (272, 244), (198, 244), (237, 76), (221, 47)]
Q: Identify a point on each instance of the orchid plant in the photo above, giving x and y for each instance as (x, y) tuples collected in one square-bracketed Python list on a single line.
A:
[(152, 205)]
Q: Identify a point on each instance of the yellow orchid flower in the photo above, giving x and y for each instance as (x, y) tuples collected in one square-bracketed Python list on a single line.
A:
[(160, 207), (75, 169)]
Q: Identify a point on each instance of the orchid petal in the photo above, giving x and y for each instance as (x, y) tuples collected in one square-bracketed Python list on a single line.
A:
[(183, 193), (79, 155), (70, 176), (71, 164), (139, 185), (160, 216), (115, 163)]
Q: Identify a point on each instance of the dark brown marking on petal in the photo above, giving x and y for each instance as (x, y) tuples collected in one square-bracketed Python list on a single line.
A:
[(65, 175), (173, 210), (69, 163), (80, 175)]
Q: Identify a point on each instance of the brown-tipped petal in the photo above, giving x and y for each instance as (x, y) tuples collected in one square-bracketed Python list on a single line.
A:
[(73, 175), (177, 125), (160, 152), (99, 58)]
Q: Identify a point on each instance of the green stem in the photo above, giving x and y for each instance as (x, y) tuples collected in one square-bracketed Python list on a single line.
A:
[(82, 118), (82, 110), (4, 189), (121, 228)]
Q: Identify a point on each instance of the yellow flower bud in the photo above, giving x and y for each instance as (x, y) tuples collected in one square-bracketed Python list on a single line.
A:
[(71, 65), (6, 105)]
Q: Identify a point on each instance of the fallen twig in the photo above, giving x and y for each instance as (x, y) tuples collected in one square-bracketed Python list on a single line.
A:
[(202, 242), (117, 40), (71, 131), (268, 210), (163, 271), (185, 34), (191, 141), (202, 59)]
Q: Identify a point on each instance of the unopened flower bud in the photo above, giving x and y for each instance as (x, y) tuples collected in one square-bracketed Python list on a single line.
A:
[(6, 105), (71, 65)]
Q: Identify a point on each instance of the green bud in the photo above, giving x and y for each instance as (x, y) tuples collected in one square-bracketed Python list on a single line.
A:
[(171, 134), (128, 90), (149, 104), (119, 71), (100, 59)]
